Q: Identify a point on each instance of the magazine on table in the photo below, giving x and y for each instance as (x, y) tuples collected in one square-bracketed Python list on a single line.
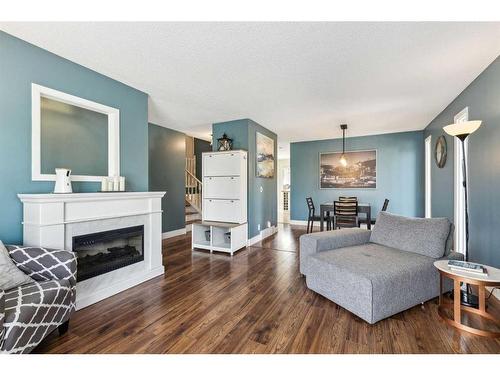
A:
[(459, 265)]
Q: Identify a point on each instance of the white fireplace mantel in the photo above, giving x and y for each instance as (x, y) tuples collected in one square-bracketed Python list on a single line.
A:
[(76, 197), (52, 220)]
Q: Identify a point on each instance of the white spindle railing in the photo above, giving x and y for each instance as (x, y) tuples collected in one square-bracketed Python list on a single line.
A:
[(193, 190), (191, 165)]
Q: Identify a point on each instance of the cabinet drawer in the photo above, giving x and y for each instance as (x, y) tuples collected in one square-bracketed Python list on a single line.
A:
[(226, 164), (224, 210), (222, 187)]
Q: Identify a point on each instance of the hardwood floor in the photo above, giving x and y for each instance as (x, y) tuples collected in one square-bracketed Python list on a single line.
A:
[(255, 302)]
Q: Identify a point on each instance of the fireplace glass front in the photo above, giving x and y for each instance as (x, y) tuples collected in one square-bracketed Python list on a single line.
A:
[(103, 252)]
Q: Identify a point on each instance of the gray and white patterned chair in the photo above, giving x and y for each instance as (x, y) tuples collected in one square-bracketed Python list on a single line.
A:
[(31, 311)]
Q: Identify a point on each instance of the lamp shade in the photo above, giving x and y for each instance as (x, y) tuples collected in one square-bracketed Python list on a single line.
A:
[(462, 128)]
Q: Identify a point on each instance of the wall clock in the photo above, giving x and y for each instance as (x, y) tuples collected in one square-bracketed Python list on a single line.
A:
[(440, 151)]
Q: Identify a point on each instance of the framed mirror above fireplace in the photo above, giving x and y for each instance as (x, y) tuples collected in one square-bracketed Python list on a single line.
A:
[(74, 133)]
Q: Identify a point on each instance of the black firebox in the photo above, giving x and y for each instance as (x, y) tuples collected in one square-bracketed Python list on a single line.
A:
[(103, 252)]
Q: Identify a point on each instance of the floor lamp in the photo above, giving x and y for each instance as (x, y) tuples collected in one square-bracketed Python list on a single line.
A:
[(462, 130)]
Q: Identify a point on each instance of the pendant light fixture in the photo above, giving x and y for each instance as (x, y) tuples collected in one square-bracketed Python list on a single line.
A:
[(343, 159)]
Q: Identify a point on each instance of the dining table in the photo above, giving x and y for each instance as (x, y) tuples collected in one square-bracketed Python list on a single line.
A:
[(363, 208)]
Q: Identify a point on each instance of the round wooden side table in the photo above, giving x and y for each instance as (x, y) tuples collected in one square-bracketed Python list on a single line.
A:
[(492, 279)]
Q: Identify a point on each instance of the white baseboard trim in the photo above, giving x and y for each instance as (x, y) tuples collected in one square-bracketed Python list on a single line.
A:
[(254, 240), (304, 222), (495, 294), (173, 233), (268, 232), (262, 235)]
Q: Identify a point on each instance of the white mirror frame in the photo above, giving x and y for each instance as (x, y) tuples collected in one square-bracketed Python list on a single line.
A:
[(113, 114)]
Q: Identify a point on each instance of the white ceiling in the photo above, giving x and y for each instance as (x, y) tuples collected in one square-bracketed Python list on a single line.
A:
[(300, 80)]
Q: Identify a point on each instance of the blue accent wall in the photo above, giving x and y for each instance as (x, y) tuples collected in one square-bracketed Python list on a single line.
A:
[(399, 173), (21, 64), (482, 97), (262, 206), (167, 161)]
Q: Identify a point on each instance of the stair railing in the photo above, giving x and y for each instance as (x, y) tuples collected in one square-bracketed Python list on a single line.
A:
[(191, 165), (193, 190)]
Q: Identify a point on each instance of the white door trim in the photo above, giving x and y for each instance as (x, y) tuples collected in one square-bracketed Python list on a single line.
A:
[(428, 185), (459, 197)]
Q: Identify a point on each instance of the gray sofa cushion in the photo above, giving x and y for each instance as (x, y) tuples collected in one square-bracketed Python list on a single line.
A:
[(313, 243), (417, 235), (373, 281), (10, 275)]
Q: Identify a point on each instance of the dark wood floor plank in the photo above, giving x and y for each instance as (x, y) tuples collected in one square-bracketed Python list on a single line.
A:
[(254, 302)]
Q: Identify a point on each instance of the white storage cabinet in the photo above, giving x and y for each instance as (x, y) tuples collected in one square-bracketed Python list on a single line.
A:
[(224, 208), (225, 186)]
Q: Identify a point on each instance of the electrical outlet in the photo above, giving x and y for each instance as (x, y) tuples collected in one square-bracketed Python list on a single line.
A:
[(269, 224), (258, 226), (261, 189)]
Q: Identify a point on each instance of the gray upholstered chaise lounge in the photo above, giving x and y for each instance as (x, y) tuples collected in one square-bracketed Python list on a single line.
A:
[(376, 274), (28, 313)]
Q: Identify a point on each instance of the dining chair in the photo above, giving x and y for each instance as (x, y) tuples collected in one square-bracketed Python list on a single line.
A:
[(345, 214), (348, 199), (385, 205), (311, 217), (384, 208)]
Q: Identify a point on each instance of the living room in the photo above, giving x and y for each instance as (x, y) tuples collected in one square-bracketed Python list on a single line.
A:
[(248, 187)]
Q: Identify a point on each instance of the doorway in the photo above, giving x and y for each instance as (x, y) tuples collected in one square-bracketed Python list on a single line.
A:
[(283, 190)]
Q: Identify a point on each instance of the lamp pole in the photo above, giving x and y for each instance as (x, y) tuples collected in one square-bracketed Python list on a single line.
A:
[(462, 138), (467, 298)]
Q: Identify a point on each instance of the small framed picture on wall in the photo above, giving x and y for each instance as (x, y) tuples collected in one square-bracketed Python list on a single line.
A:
[(265, 156)]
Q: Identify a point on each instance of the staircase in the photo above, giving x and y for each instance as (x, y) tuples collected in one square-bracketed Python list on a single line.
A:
[(193, 193)]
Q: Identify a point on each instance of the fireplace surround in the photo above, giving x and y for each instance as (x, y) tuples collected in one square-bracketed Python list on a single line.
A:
[(56, 220)]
